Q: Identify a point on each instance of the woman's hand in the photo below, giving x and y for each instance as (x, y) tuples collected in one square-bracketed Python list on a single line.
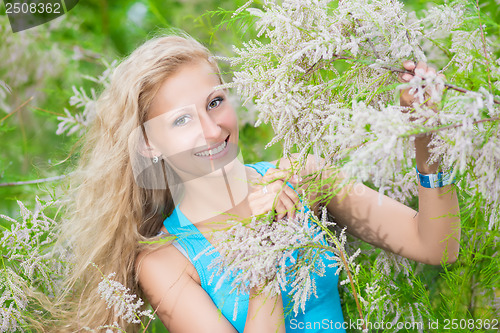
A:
[(272, 193), (423, 71)]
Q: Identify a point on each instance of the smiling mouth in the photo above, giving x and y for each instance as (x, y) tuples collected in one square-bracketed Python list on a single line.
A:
[(213, 151)]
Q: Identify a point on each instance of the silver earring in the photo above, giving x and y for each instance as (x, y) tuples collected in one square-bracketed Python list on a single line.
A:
[(155, 159)]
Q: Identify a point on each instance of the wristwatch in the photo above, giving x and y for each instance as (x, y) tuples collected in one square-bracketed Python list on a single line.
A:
[(434, 180)]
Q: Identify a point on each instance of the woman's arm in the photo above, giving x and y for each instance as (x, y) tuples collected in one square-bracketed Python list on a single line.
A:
[(429, 236), (166, 277)]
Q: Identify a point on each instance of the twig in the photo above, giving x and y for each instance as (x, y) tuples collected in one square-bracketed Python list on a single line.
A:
[(337, 57), (310, 69), (9, 258), (446, 127), (36, 181), (447, 85), (397, 70), (17, 109), (370, 42), (456, 125), (47, 111), (352, 287)]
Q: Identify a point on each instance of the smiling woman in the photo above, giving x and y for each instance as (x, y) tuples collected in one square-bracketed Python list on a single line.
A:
[(161, 159)]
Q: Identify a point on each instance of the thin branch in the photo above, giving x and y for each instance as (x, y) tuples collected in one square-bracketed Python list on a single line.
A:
[(370, 42), (453, 126), (17, 109), (447, 85), (36, 181), (9, 258), (341, 57), (47, 111), (310, 69), (351, 280)]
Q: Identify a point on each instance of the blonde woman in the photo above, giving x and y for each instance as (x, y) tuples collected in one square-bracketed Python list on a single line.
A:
[(161, 158)]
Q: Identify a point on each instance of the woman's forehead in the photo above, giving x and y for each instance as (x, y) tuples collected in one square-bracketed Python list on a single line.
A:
[(193, 83)]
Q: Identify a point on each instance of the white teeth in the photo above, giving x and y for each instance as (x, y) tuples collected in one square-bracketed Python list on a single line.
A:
[(213, 151)]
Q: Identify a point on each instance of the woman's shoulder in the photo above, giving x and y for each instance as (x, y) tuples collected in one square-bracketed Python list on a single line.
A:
[(165, 261)]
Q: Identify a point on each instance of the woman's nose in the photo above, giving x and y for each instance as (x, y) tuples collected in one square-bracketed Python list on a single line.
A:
[(210, 127)]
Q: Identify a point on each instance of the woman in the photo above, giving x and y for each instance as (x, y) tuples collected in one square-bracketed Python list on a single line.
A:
[(162, 155)]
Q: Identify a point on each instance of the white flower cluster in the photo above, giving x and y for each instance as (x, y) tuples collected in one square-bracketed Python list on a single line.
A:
[(118, 296), (13, 302), (78, 122), (472, 147), (463, 42), (28, 263), (114, 328), (27, 241), (394, 270), (278, 255)]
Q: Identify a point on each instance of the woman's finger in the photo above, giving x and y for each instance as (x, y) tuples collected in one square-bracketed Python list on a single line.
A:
[(260, 203), (285, 206), (409, 65), (291, 194), (406, 77), (291, 201), (421, 68), (275, 174), (279, 187)]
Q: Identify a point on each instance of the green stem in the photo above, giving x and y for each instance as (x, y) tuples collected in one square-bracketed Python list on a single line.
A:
[(484, 45)]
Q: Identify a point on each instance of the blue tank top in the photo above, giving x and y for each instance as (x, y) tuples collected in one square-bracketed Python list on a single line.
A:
[(322, 313)]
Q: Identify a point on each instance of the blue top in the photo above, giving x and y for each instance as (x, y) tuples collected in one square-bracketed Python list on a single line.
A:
[(323, 313)]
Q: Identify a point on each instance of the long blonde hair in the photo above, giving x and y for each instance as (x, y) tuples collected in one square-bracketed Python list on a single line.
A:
[(109, 214)]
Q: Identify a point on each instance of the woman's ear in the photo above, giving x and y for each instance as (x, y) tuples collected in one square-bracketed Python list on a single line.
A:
[(143, 145), (149, 151)]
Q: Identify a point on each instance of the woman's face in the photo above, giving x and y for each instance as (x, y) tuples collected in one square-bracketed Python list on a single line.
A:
[(193, 126)]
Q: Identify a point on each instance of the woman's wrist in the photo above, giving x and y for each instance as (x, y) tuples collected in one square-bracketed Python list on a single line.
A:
[(422, 154)]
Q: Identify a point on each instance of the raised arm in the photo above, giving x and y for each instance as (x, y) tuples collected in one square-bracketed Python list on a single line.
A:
[(429, 236)]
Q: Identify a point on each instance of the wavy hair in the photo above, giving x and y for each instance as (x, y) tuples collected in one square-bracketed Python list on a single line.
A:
[(109, 214)]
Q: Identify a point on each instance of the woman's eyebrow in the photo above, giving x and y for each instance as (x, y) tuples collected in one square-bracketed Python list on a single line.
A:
[(214, 90)]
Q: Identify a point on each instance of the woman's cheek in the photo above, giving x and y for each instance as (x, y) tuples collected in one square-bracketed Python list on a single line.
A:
[(231, 120)]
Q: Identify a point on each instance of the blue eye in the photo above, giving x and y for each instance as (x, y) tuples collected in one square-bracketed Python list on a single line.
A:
[(182, 120), (215, 103)]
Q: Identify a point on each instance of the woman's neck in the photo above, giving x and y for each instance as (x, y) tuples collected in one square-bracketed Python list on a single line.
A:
[(210, 197)]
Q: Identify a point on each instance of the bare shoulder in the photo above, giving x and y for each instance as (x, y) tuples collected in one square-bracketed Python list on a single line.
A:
[(161, 270), (166, 261), (169, 282)]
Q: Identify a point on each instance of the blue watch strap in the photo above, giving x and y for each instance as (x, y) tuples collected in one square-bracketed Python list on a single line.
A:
[(434, 180)]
